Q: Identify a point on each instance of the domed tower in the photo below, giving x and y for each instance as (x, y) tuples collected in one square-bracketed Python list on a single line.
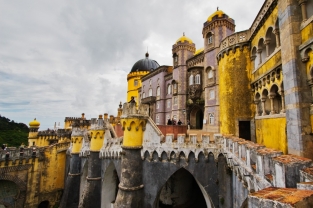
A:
[(217, 27), (140, 68), (182, 50), (33, 132)]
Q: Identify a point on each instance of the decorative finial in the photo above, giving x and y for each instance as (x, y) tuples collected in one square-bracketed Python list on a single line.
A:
[(147, 55), (217, 9), (120, 105), (183, 33)]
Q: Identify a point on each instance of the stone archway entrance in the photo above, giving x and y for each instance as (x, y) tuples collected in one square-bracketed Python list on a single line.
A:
[(182, 190), (44, 204), (196, 117), (8, 193), (109, 186), (199, 119)]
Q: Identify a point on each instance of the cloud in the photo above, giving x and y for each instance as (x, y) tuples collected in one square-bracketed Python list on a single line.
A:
[(63, 58)]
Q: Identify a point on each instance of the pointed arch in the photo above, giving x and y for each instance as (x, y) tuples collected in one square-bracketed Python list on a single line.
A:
[(189, 191), (109, 186)]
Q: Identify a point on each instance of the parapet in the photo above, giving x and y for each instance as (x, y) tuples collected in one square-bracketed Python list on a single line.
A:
[(130, 109)]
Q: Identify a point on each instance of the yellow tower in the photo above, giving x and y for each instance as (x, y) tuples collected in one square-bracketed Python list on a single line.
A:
[(140, 68), (33, 132)]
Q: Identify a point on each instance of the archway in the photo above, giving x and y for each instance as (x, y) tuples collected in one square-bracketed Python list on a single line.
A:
[(109, 186), (199, 119), (182, 190), (8, 193)]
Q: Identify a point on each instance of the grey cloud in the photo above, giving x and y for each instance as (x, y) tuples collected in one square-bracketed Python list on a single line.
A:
[(62, 58)]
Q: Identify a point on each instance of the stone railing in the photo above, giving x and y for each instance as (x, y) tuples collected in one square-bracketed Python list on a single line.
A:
[(13, 153), (183, 145), (259, 167)]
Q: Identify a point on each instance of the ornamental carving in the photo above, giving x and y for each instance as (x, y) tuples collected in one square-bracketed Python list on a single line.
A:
[(194, 91), (195, 60)]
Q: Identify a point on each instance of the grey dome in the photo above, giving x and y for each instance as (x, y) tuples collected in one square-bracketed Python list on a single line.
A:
[(145, 64)]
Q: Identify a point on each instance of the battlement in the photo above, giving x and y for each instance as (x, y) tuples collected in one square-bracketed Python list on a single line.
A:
[(81, 123), (130, 109), (73, 118)]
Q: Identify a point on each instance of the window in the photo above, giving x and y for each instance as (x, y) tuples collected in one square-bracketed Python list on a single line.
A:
[(169, 89), (150, 82), (210, 74), (157, 120), (212, 94), (191, 80), (143, 95), (158, 92), (168, 103), (211, 118), (150, 92), (175, 87), (197, 79), (135, 82), (210, 38), (157, 105), (175, 101)]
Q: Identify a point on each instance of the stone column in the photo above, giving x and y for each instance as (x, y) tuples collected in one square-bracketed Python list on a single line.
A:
[(70, 198), (302, 4), (91, 195), (259, 51), (276, 32), (263, 106), (130, 193), (271, 97), (281, 92), (252, 58), (267, 46), (256, 102)]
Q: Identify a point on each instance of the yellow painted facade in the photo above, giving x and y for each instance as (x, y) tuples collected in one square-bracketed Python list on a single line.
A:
[(235, 104), (44, 177), (77, 142), (272, 133), (96, 141), (134, 83), (269, 22), (133, 132), (307, 32)]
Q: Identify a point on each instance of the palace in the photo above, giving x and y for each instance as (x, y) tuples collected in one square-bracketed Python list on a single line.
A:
[(248, 98)]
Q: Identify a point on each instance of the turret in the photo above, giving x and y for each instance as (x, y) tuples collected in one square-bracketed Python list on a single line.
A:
[(131, 184), (92, 189), (71, 192), (33, 132), (182, 50), (140, 68)]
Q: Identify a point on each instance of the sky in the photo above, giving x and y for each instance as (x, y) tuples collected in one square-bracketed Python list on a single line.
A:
[(62, 58)]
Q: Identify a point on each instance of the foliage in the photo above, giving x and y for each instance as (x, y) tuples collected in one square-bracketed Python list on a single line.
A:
[(11, 133)]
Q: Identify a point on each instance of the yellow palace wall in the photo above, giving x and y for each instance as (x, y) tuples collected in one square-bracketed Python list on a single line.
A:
[(234, 89)]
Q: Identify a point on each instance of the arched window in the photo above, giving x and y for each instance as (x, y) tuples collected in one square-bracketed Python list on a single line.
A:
[(169, 89), (191, 80), (197, 79), (150, 92), (157, 120), (158, 92), (210, 38), (150, 82), (211, 118), (143, 95), (210, 74), (175, 87), (135, 82)]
